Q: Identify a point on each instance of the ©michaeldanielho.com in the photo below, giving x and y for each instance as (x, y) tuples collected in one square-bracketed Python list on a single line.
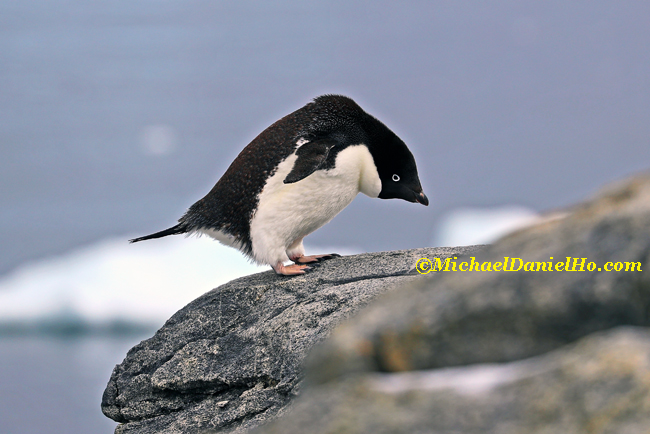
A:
[(425, 265)]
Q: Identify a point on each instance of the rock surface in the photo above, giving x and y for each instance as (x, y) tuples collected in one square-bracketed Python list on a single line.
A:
[(599, 385), (415, 360), (231, 359)]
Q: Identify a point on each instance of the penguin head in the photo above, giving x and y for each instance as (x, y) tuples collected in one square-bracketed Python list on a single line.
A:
[(399, 175), (395, 165)]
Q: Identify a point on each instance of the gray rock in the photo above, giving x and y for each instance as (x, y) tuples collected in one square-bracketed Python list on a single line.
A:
[(414, 361), (598, 385), (231, 359), (459, 318)]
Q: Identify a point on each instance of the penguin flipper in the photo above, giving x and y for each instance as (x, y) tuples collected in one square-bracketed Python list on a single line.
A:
[(311, 157)]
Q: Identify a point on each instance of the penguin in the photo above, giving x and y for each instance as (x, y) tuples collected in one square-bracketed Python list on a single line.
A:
[(295, 177)]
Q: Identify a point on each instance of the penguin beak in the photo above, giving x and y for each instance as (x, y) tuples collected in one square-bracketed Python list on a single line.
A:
[(422, 198)]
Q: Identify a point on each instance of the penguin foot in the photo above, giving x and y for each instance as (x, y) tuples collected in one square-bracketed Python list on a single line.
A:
[(292, 270), (315, 258)]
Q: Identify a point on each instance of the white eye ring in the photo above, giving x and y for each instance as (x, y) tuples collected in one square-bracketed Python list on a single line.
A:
[(396, 177)]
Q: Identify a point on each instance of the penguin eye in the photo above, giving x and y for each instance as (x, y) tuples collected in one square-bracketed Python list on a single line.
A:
[(396, 177)]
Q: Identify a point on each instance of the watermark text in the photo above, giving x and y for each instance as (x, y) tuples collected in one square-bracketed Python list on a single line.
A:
[(425, 265)]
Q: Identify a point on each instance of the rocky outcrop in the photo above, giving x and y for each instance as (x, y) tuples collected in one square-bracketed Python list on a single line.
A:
[(231, 359), (450, 352), (598, 385), (502, 351)]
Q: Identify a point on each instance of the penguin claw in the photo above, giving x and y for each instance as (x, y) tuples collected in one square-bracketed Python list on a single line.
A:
[(311, 267), (292, 270), (315, 259)]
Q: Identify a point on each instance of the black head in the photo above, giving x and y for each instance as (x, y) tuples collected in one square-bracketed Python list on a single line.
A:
[(395, 164)]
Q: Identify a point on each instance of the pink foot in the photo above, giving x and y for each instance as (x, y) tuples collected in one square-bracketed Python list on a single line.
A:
[(314, 258), (291, 270)]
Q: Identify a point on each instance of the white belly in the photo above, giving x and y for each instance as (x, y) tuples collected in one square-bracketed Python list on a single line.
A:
[(288, 212)]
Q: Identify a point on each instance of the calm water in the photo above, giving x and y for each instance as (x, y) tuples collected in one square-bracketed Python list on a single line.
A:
[(54, 385)]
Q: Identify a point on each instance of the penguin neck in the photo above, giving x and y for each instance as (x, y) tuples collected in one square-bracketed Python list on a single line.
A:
[(357, 161)]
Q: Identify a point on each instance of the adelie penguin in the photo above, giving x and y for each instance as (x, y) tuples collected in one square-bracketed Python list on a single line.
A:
[(296, 176)]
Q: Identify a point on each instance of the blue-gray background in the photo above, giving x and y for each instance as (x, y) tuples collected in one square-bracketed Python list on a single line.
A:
[(534, 103)]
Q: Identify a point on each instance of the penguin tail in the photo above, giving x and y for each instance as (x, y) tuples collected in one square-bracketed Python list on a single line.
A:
[(178, 229)]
